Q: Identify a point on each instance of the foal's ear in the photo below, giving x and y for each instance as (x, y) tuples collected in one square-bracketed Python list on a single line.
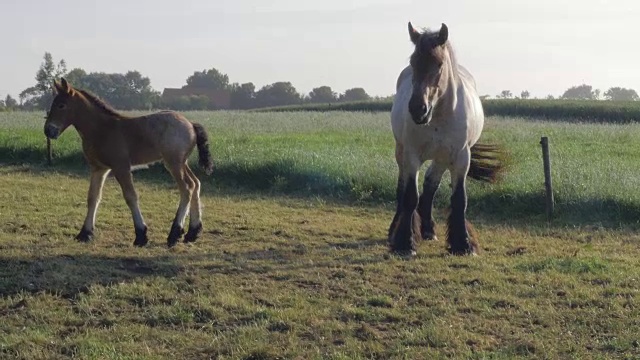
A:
[(414, 35), (443, 34)]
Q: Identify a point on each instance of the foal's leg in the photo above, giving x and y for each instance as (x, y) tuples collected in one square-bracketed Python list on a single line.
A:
[(93, 200), (405, 229), (125, 179), (195, 209), (459, 239), (432, 179), (185, 186)]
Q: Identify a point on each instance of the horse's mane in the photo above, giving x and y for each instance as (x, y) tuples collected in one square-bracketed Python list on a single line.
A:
[(100, 104), (433, 35)]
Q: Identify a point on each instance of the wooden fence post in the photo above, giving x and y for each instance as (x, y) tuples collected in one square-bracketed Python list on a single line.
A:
[(544, 141)]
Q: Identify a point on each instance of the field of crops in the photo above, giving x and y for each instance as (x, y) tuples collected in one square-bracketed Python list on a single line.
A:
[(562, 110), (293, 262)]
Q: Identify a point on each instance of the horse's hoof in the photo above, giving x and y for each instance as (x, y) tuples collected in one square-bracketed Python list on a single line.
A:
[(193, 233), (85, 236), (429, 237), (463, 251), (406, 254), (141, 237), (174, 235)]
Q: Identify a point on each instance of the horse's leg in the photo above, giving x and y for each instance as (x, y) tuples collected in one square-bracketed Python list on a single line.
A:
[(125, 179), (93, 200), (432, 179), (195, 209), (459, 239), (405, 229), (399, 190), (185, 186)]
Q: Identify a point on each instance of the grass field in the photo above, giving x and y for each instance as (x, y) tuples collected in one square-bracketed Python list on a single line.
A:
[(293, 262)]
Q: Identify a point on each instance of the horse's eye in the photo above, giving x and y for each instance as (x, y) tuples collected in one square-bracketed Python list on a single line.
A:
[(61, 106)]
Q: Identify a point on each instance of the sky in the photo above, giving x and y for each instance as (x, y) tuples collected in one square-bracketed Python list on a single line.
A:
[(543, 46)]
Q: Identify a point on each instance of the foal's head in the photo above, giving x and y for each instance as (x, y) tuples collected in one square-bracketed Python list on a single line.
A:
[(428, 62), (62, 111)]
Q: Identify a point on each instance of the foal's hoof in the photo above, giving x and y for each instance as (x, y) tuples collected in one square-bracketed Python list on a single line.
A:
[(141, 237), (85, 236), (174, 235), (193, 233)]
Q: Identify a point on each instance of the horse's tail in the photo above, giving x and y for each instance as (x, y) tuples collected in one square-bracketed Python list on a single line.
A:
[(487, 162), (204, 155)]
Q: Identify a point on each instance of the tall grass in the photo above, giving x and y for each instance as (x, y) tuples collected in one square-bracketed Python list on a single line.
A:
[(348, 156)]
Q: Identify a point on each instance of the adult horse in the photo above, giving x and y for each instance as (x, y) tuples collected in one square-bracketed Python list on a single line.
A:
[(436, 115), (113, 142)]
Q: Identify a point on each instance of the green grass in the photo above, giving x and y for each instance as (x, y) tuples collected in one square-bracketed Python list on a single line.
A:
[(346, 156), (293, 262), (559, 110)]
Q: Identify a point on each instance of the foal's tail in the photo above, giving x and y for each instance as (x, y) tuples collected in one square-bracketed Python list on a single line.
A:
[(204, 155), (487, 162)]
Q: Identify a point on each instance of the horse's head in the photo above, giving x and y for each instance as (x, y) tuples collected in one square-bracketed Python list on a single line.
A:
[(60, 115), (427, 62)]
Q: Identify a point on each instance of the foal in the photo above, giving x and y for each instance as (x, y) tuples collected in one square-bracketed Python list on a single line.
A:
[(113, 142)]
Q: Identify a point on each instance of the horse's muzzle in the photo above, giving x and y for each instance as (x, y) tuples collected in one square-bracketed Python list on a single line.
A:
[(421, 115), (51, 131)]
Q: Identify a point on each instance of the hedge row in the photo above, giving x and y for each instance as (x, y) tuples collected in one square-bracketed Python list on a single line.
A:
[(568, 110)]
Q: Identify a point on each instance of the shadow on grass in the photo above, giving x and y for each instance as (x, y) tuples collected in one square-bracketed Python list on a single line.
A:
[(284, 178), (510, 208), (70, 275)]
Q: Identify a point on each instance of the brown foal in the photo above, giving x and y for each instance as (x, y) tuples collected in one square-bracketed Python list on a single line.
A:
[(113, 142)]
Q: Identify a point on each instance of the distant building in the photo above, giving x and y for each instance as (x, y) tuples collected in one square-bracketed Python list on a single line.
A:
[(221, 99)]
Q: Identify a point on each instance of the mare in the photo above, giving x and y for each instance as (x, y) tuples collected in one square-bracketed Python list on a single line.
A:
[(437, 115)]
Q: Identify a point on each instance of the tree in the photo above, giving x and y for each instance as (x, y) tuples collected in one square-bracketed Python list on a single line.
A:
[(621, 94), (525, 95), (123, 91), (322, 94), (180, 103), (278, 94), (596, 94), (40, 95), (208, 79), (580, 92), (505, 94), (243, 96), (355, 94), (199, 102), (10, 103), (550, 97)]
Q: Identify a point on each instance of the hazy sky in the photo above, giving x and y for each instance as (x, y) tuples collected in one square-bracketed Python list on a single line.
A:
[(543, 46)]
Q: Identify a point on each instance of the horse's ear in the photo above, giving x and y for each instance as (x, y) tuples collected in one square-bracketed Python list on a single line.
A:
[(414, 35), (65, 86), (443, 34), (57, 88)]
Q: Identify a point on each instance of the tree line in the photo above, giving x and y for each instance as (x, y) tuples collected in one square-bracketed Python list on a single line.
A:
[(133, 91), (581, 92)]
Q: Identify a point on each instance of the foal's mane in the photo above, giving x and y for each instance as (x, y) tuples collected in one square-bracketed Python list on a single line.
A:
[(100, 104)]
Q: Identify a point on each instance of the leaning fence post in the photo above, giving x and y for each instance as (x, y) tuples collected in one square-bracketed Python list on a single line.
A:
[(49, 152), (544, 141)]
